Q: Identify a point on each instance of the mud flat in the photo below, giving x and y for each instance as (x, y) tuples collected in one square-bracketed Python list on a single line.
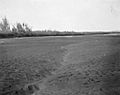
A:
[(91, 67), (85, 65)]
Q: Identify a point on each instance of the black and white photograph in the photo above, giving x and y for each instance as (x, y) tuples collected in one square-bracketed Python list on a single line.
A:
[(59, 47)]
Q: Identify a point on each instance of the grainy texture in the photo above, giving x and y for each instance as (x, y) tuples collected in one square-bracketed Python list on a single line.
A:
[(86, 65)]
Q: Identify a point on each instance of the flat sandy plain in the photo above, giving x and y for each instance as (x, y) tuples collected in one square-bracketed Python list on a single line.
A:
[(82, 65)]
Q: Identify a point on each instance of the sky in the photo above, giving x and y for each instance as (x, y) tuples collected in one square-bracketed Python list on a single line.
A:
[(63, 15)]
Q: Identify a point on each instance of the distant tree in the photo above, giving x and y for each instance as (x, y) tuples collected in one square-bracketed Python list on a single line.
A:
[(27, 28), (14, 29), (4, 25), (21, 28)]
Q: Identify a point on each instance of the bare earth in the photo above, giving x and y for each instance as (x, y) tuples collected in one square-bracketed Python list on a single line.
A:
[(86, 65)]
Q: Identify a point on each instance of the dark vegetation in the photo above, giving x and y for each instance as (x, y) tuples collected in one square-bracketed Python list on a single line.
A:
[(23, 30)]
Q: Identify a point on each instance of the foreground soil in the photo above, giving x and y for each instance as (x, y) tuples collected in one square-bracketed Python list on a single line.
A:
[(86, 65), (91, 67)]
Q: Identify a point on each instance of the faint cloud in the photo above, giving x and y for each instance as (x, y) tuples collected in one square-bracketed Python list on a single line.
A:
[(113, 5)]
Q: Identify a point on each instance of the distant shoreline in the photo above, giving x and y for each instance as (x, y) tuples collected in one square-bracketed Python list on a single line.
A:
[(59, 34)]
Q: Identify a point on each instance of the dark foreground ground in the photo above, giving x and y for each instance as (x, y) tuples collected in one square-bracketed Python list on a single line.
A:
[(84, 65)]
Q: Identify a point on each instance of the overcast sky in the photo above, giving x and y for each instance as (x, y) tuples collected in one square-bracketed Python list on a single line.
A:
[(74, 15)]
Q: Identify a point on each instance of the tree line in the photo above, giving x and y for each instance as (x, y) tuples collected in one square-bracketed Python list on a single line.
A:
[(18, 28)]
